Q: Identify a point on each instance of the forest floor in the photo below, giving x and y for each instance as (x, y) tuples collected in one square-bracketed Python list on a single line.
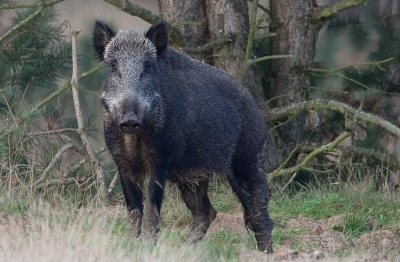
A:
[(336, 223), (308, 239)]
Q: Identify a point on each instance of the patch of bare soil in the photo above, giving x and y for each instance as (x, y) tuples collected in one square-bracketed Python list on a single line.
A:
[(317, 240), (230, 222)]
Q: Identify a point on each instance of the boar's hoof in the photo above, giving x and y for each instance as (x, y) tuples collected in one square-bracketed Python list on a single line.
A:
[(130, 127)]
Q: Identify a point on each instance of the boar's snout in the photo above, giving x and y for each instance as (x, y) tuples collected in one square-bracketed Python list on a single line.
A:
[(130, 125)]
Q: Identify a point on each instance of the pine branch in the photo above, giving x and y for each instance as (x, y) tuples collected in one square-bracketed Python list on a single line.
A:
[(48, 99), (135, 10), (328, 11), (41, 6), (335, 71), (54, 132), (372, 63), (7, 103), (62, 89), (101, 175), (251, 62), (20, 24), (274, 114), (9, 7), (332, 145)]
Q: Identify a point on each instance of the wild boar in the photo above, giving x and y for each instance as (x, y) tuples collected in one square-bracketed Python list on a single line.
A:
[(170, 117)]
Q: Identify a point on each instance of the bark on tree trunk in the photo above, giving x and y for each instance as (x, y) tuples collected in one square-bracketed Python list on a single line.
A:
[(295, 35), (231, 17), (190, 18)]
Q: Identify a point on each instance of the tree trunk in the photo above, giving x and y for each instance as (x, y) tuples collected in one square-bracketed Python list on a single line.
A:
[(192, 25), (295, 35), (211, 21), (227, 17)]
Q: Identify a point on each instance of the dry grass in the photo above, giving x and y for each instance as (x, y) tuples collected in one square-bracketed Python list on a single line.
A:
[(44, 233)]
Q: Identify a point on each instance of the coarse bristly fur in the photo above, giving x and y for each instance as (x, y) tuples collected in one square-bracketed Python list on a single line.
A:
[(174, 118)]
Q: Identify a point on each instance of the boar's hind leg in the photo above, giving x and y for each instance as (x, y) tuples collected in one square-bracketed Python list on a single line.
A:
[(197, 201), (250, 186)]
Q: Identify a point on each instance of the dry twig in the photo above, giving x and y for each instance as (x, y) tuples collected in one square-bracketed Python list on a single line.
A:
[(101, 175)]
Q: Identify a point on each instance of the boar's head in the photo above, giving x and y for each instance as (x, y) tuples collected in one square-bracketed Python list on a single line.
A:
[(131, 94)]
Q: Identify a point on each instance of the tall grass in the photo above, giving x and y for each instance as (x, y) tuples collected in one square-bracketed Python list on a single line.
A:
[(44, 232)]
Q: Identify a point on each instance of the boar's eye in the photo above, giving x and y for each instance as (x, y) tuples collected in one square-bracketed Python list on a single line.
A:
[(146, 67), (114, 66)]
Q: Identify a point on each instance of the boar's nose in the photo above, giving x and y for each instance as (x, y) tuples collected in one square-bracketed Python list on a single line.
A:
[(130, 124)]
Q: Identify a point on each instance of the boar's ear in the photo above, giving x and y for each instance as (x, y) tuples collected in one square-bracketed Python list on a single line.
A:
[(102, 34), (158, 35)]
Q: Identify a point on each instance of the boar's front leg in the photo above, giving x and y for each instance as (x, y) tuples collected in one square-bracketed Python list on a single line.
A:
[(153, 205), (134, 200), (130, 172)]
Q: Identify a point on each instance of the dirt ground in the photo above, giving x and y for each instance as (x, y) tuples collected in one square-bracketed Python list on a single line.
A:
[(319, 240)]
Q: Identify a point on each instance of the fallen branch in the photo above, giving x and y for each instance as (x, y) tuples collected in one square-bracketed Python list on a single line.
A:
[(344, 152), (274, 114), (135, 10), (101, 175), (62, 181), (328, 11), (332, 145)]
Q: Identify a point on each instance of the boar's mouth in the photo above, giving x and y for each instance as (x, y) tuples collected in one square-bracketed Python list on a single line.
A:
[(130, 124)]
